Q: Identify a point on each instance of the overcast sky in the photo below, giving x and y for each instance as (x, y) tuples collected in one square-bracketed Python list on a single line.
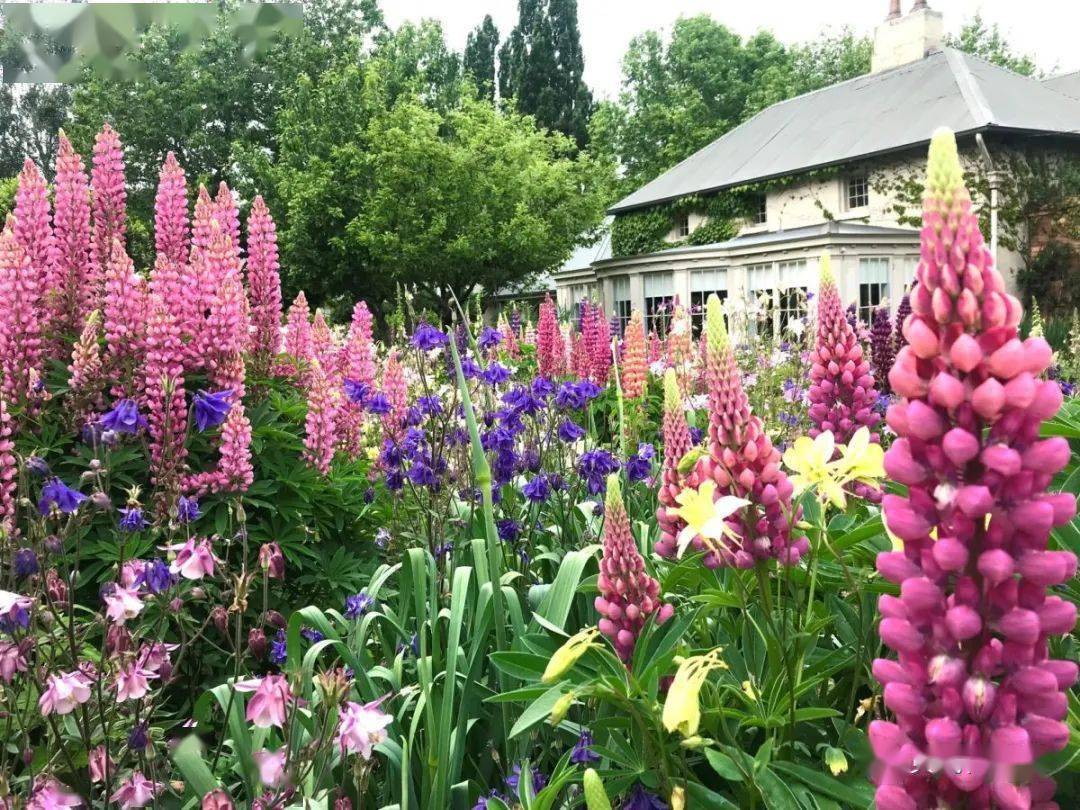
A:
[(1046, 28)]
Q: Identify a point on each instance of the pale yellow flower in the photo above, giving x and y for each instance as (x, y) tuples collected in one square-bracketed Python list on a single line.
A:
[(863, 460), (682, 709), (811, 461), (704, 515), (568, 654)]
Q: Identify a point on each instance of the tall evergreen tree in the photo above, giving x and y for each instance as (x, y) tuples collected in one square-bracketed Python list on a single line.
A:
[(541, 67), (479, 57)]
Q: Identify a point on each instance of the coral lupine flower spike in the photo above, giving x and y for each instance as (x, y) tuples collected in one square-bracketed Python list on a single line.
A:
[(976, 698), (743, 462), (628, 595)]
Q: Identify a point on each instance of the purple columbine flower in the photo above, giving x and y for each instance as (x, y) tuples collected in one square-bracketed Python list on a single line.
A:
[(696, 435), (138, 737), (278, 649), (495, 374), (641, 799), (124, 417), (508, 529), (24, 563), (583, 753), (357, 605), (538, 489), (57, 493), (187, 509), (378, 404), (638, 467), (382, 538), (469, 368), (38, 466), (595, 466), (157, 577), (489, 338), (427, 337), (430, 405), (445, 550), (538, 779), (356, 391), (542, 387), (132, 519), (570, 397), (311, 634), (570, 431), (211, 408)]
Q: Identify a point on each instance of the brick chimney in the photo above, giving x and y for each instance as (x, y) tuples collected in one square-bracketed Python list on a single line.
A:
[(900, 40)]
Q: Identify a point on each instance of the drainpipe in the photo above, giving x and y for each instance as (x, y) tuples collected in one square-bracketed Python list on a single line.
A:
[(996, 179)]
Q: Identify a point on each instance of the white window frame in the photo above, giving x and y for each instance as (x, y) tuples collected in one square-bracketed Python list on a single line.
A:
[(874, 288), (857, 192)]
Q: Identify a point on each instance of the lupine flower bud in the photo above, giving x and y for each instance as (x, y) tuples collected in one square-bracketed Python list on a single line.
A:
[(974, 618)]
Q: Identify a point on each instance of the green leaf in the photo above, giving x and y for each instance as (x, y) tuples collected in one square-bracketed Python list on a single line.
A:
[(188, 756), (723, 765), (860, 797), (537, 711)]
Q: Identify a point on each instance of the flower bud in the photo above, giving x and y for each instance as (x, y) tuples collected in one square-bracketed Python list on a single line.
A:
[(257, 643)]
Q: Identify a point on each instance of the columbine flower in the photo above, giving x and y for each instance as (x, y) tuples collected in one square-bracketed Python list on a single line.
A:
[(357, 605), (568, 654), (24, 563), (49, 794), (279, 649), (122, 603), (378, 404), (267, 706), (271, 765), (538, 779), (642, 799), (427, 337), (639, 466), (139, 737), (570, 431), (705, 515), (100, 764), (356, 391), (272, 560), (64, 692), (537, 489), (495, 374), (157, 576), (211, 408), (362, 727), (194, 559), (57, 493), (583, 753), (682, 711), (187, 509), (137, 791), (489, 338), (132, 519), (812, 461), (131, 682), (14, 610), (124, 418), (12, 660), (595, 466)]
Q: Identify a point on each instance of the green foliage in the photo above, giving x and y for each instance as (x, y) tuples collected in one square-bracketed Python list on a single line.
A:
[(1053, 279), (987, 42), (541, 66), (479, 57), (645, 231), (29, 123), (8, 187)]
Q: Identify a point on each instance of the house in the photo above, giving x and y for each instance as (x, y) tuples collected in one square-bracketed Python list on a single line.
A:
[(838, 170)]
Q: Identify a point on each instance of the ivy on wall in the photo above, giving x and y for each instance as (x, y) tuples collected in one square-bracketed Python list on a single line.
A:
[(646, 231)]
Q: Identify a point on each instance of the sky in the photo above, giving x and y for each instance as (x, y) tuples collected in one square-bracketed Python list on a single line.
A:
[(1046, 29)]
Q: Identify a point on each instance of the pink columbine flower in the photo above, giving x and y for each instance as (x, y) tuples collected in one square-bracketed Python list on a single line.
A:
[(267, 706), (12, 660), (362, 727), (100, 764), (49, 794), (64, 692), (743, 462), (271, 765), (136, 791), (628, 595), (154, 659), (635, 366), (217, 800), (123, 603), (549, 349), (973, 688), (194, 559), (131, 682)]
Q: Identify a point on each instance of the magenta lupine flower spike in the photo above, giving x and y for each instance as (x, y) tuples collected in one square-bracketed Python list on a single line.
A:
[(842, 392), (743, 462), (87, 377), (125, 321), (9, 472), (225, 337), (598, 345), (166, 408), (549, 349), (227, 215), (71, 294), (882, 347), (319, 438), (33, 224), (976, 697), (264, 285), (356, 362), (628, 595), (298, 340), (109, 198), (201, 219), (323, 345), (396, 389), (20, 325), (677, 443), (171, 213), (903, 309), (235, 451), (634, 362)]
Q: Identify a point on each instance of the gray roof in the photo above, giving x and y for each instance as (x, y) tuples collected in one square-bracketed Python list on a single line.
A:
[(582, 258), (871, 115), (1067, 83)]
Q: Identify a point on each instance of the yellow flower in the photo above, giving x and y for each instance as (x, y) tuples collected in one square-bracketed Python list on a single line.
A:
[(703, 515), (561, 707), (811, 461), (836, 761), (678, 798), (749, 690), (567, 655), (863, 460), (682, 711)]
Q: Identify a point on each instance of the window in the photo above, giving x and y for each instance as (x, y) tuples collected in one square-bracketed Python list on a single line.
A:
[(620, 294), (858, 192), (792, 300), (682, 226), (761, 283), (704, 283), (873, 286), (659, 301), (761, 213)]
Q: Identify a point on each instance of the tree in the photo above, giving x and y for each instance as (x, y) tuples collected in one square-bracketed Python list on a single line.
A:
[(987, 42), (29, 123), (541, 66), (479, 57)]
